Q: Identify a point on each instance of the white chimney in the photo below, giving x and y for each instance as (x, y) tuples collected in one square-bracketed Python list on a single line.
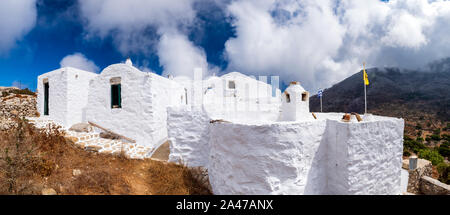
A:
[(128, 62)]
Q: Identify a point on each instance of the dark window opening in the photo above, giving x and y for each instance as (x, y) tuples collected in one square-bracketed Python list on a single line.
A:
[(288, 98), (304, 96), (116, 96), (186, 95), (231, 85), (46, 87)]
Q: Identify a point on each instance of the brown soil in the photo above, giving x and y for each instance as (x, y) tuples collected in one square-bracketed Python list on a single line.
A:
[(31, 160)]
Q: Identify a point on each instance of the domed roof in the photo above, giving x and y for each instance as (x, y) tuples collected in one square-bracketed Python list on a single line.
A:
[(295, 87)]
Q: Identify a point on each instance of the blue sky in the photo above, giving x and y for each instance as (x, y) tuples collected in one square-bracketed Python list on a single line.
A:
[(59, 32), (318, 43)]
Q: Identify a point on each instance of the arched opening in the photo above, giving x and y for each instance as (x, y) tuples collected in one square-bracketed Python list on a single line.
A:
[(305, 96)]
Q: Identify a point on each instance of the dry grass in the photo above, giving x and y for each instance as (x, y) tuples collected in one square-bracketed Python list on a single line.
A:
[(174, 179), (32, 159)]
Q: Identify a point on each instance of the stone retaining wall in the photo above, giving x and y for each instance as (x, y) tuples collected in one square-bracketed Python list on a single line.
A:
[(431, 186)]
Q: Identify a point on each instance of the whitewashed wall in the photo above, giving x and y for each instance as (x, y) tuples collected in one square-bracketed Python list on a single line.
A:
[(68, 93), (145, 97), (78, 93), (165, 93), (189, 136), (57, 95), (365, 157), (279, 158), (325, 156)]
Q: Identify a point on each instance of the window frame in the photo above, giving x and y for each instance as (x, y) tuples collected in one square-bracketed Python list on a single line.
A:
[(116, 103)]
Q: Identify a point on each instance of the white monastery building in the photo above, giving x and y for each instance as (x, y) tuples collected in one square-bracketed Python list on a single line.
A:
[(251, 137), (62, 95)]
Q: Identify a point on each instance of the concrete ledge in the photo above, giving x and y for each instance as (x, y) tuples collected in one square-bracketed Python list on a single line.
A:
[(431, 186)]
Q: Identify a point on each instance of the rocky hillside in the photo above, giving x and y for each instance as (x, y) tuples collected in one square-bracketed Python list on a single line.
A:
[(427, 90), (421, 97), (15, 103)]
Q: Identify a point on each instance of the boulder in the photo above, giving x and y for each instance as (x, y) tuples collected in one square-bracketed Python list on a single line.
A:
[(92, 148), (76, 172), (81, 127), (48, 191), (108, 135)]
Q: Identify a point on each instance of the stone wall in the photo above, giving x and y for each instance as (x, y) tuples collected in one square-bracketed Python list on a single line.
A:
[(431, 186), (15, 106), (424, 168)]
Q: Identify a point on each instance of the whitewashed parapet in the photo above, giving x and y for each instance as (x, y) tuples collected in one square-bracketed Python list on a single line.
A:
[(309, 157), (278, 158), (365, 157), (188, 131)]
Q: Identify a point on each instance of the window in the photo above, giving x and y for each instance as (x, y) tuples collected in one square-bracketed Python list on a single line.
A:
[(116, 97), (231, 85), (305, 96), (186, 95), (46, 87), (288, 98)]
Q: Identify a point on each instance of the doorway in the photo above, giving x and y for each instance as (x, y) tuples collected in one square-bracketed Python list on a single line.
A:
[(46, 99)]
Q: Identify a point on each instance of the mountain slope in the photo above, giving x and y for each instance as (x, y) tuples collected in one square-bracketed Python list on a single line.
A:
[(392, 90), (421, 97)]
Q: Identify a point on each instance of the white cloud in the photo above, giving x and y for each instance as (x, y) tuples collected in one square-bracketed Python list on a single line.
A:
[(322, 42), (179, 56), (79, 61), (17, 18), (131, 21), (293, 49), (146, 26), (317, 42)]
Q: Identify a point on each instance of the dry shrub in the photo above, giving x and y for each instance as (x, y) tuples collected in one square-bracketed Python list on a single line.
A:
[(19, 160), (174, 179), (32, 159), (98, 182)]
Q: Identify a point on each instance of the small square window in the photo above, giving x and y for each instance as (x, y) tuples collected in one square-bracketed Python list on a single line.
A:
[(231, 85)]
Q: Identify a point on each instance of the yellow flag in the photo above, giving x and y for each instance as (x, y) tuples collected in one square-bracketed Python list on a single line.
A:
[(366, 79)]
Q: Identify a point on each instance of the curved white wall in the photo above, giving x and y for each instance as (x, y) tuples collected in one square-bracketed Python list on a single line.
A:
[(281, 158), (312, 157)]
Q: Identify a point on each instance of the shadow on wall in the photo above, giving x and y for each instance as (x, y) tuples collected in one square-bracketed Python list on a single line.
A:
[(318, 172)]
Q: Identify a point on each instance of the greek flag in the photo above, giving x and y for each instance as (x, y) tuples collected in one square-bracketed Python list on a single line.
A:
[(320, 93)]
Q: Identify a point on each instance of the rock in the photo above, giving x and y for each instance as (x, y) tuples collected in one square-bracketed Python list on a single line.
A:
[(346, 118), (14, 112), (92, 148), (108, 135), (76, 172), (81, 127), (48, 191)]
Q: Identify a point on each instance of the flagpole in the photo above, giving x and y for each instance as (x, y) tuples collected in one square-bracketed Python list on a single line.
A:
[(365, 91), (321, 104), (365, 99)]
